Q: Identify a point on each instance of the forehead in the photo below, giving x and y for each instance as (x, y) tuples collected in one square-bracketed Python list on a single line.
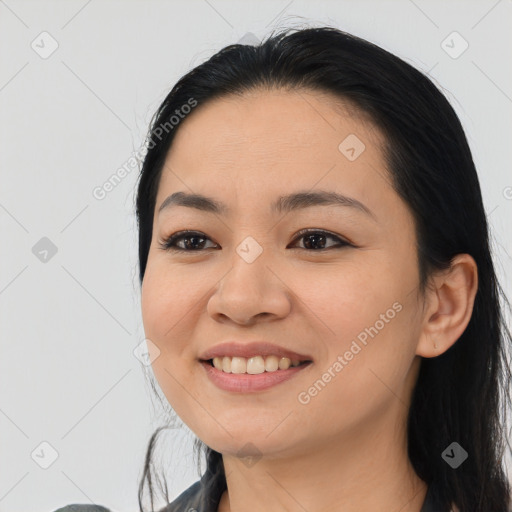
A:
[(262, 142), (272, 122)]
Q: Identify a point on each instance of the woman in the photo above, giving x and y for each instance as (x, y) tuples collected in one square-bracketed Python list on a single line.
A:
[(317, 285)]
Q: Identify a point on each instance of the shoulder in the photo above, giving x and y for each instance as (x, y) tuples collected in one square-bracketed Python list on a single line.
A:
[(190, 498), (83, 508), (203, 495)]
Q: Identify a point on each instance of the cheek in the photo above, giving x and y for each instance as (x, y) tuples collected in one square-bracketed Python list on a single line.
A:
[(167, 302), (347, 299), (164, 314), (169, 305), (156, 306), (368, 319)]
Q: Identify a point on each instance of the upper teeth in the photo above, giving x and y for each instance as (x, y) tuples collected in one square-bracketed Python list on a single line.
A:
[(253, 365)]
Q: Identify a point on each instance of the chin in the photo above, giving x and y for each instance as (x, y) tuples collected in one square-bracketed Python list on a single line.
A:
[(246, 443)]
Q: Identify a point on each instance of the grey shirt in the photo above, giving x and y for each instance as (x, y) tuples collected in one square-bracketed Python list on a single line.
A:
[(205, 494)]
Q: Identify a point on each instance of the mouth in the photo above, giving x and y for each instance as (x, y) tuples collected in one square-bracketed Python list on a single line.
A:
[(254, 365), (255, 374)]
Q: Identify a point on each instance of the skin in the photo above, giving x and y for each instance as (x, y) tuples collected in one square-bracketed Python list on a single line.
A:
[(346, 448)]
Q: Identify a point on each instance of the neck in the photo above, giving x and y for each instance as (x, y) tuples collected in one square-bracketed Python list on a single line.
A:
[(355, 472)]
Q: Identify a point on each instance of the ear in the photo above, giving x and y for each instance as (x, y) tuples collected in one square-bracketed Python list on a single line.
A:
[(449, 300)]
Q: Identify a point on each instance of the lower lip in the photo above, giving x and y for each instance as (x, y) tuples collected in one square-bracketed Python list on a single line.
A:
[(246, 383)]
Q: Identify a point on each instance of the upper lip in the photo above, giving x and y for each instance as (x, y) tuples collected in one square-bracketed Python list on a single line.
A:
[(254, 348)]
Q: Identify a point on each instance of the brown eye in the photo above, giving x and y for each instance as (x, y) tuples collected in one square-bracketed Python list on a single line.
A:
[(315, 237), (193, 241)]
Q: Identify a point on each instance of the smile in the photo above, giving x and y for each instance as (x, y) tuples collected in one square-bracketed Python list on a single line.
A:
[(254, 365), (234, 374)]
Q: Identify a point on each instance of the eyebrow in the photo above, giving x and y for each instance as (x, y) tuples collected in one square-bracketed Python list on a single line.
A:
[(288, 203)]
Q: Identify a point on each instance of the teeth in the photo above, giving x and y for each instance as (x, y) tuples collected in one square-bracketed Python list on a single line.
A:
[(225, 365), (271, 363), (284, 363), (253, 365), (238, 365)]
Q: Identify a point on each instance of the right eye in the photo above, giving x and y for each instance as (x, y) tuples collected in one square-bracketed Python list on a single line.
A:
[(193, 241)]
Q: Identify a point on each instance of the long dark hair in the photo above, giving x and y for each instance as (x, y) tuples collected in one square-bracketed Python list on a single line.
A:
[(463, 394)]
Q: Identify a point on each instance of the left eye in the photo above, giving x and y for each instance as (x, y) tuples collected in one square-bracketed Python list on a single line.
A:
[(194, 241), (313, 237)]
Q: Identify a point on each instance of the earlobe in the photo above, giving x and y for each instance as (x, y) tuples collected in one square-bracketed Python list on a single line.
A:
[(451, 299)]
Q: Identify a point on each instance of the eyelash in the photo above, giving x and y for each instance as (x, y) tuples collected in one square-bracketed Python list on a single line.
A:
[(169, 243)]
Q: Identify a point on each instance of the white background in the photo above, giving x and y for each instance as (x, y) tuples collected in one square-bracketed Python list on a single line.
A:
[(68, 375)]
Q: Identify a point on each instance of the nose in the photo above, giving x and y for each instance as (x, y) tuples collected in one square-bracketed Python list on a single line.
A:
[(250, 292)]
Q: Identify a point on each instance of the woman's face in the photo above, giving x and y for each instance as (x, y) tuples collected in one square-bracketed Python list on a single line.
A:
[(351, 307)]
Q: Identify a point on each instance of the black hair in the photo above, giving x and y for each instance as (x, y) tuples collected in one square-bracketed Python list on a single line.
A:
[(462, 394)]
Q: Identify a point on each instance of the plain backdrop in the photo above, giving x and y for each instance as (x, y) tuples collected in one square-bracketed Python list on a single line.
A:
[(79, 82)]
